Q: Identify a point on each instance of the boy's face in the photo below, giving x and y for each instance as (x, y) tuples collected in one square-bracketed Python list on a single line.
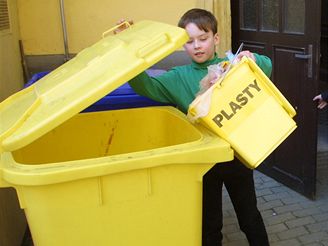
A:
[(201, 45)]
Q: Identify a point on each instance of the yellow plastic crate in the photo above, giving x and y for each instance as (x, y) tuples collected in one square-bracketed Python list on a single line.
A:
[(248, 111), (122, 177)]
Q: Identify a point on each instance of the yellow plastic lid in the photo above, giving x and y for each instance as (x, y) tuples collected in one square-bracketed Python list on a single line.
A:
[(93, 73)]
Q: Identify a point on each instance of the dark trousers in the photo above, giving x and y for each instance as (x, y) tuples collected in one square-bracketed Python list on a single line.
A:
[(239, 183)]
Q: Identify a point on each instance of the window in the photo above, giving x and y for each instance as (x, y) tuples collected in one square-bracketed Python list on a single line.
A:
[(248, 15), (270, 15), (4, 16), (295, 16)]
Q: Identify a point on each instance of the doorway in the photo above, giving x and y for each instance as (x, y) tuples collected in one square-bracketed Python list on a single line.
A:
[(289, 33)]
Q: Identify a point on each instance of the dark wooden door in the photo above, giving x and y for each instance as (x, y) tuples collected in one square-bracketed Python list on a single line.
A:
[(288, 31)]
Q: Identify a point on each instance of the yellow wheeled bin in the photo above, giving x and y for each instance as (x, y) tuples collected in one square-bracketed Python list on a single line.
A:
[(122, 177)]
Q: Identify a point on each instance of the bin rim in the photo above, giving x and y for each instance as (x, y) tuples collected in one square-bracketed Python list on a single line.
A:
[(72, 87), (207, 149)]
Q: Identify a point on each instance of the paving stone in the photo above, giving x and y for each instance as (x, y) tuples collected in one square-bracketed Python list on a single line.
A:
[(307, 212), (276, 196), (260, 200), (314, 237), (230, 220), (268, 214), (225, 212), (291, 242), (236, 236), (287, 208), (324, 243), (316, 227), (276, 228), (325, 208), (237, 243), (230, 228), (279, 218), (300, 222), (258, 180), (269, 184), (269, 205), (262, 176), (263, 192), (292, 199), (227, 205), (311, 204), (292, 233), (313, 244), (273, 238), (280, 188), (233, 214)]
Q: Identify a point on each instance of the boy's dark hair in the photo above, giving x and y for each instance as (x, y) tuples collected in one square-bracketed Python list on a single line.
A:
[(202, 18)]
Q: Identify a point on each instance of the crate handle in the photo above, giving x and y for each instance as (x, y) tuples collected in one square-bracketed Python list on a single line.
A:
[(115, 27)]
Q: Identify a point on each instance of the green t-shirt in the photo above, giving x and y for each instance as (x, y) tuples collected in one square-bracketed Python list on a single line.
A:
[(180, 84)]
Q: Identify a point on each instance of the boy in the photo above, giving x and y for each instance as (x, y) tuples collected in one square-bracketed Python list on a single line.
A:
[(179, 86)]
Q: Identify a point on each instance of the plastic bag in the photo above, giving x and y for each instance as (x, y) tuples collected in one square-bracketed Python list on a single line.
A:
[(216, 74)]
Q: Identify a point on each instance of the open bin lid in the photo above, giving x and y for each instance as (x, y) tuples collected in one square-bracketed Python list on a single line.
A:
[(93, 73)]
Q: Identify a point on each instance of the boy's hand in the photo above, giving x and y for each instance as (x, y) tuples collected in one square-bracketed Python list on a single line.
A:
[(321, 102), (246, 53), (122, 27)]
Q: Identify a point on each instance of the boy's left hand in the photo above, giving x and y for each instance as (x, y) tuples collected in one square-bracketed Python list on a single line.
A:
[(246, 53), (122, 27)]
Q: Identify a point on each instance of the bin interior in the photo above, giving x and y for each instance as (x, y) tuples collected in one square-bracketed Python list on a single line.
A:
[(107, 133)]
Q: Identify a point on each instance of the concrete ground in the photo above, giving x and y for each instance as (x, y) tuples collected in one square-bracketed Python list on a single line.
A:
[(290, 218)]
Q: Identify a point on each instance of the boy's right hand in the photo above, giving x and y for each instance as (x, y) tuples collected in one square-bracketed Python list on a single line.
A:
[(123, 26), (246, 53)]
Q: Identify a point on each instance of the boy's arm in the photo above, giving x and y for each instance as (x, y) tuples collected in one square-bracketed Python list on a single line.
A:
[(264, 63), (154, 87)]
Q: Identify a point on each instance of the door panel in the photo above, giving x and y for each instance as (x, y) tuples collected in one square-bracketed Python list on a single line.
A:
[(255, 47), (288, 31)]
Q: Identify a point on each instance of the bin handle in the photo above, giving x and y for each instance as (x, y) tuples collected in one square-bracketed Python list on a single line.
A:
[(153, 45), (115, 27)]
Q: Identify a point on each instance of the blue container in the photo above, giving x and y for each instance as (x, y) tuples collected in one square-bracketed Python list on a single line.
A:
[(121, 98), (35, 78)]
